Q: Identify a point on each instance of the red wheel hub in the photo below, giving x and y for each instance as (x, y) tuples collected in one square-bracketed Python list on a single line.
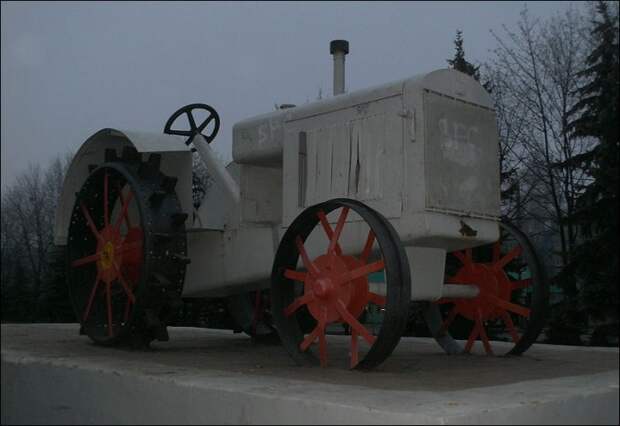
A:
[(491, 283), (327, 290)]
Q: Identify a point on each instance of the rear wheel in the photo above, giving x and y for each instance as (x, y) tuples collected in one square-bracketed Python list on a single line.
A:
[(127, 251), (335, 266), (512, 300)]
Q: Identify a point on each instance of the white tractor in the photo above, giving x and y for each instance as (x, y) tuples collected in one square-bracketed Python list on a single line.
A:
[(339, 210)]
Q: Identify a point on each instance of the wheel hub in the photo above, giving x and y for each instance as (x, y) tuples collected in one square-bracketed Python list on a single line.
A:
[(107, 255), (491, 283), (326, 289), (110, 257), (322, 287)]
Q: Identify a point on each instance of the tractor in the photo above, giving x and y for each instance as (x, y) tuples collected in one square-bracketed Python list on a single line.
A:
[(330, 213)]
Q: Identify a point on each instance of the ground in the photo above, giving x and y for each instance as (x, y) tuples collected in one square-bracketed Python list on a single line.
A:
[(417, 384)]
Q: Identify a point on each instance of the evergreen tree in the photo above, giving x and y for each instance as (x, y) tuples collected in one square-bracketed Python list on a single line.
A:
[(595, 260), (459, 62)]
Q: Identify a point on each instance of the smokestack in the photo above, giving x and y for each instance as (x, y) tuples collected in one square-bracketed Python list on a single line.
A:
[(339, 48)]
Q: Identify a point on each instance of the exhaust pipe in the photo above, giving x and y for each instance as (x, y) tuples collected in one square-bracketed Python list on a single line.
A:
[(339, 48)]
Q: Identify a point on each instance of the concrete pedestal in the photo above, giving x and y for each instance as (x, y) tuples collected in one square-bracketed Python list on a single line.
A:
[(52, 375)]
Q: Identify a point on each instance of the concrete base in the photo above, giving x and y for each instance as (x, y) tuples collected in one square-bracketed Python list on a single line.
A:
[(52, 375)]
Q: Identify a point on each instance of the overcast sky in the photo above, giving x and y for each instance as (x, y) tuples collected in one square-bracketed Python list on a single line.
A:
[(70, 69)]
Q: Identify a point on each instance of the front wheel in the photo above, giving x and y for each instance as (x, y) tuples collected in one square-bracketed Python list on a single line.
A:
[(355, 279)]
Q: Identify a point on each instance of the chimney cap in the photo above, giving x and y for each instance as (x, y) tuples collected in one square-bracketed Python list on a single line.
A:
[(338, 46)]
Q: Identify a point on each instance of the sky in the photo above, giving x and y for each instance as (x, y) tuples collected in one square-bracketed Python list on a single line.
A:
[(70, 69)]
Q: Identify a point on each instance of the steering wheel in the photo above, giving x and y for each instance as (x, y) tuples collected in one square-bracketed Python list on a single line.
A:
[(194, 129)]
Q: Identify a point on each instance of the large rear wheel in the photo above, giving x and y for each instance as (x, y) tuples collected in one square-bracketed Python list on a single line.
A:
[(126, 251)]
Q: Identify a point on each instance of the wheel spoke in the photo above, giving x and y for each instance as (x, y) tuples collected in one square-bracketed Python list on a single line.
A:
[(446, 324), (517, 309), (311, 267), (368, 246), (106, 217), (515, 252), (328, 230), (86, 260), (90, 299), (298, 303), (339, 226), (109, 304), (510, 326), (517, 285), (124, 211), (89, 220), (377, 299), (124, 284), (122, 197), (310, 338), (354, 350), (483, 334), (190, 118), (354, 323), (362, 271), (472, 337), (295, 275)]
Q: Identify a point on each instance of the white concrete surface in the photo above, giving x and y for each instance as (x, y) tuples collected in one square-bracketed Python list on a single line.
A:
[(52, 375)]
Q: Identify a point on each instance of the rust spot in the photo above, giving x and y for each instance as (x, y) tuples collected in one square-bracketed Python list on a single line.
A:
[(467, 231)]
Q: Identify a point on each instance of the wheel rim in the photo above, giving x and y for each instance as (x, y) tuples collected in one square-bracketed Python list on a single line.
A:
[(107, 252), (336, 288), (512, 294)]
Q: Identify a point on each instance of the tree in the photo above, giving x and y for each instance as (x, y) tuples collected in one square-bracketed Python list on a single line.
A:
[(28, 207), (535, 74), (595, 115), (459, 62)]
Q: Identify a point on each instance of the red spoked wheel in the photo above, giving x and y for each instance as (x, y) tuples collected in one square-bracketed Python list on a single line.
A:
[(512, 299), (126, 247), (333, 248)]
